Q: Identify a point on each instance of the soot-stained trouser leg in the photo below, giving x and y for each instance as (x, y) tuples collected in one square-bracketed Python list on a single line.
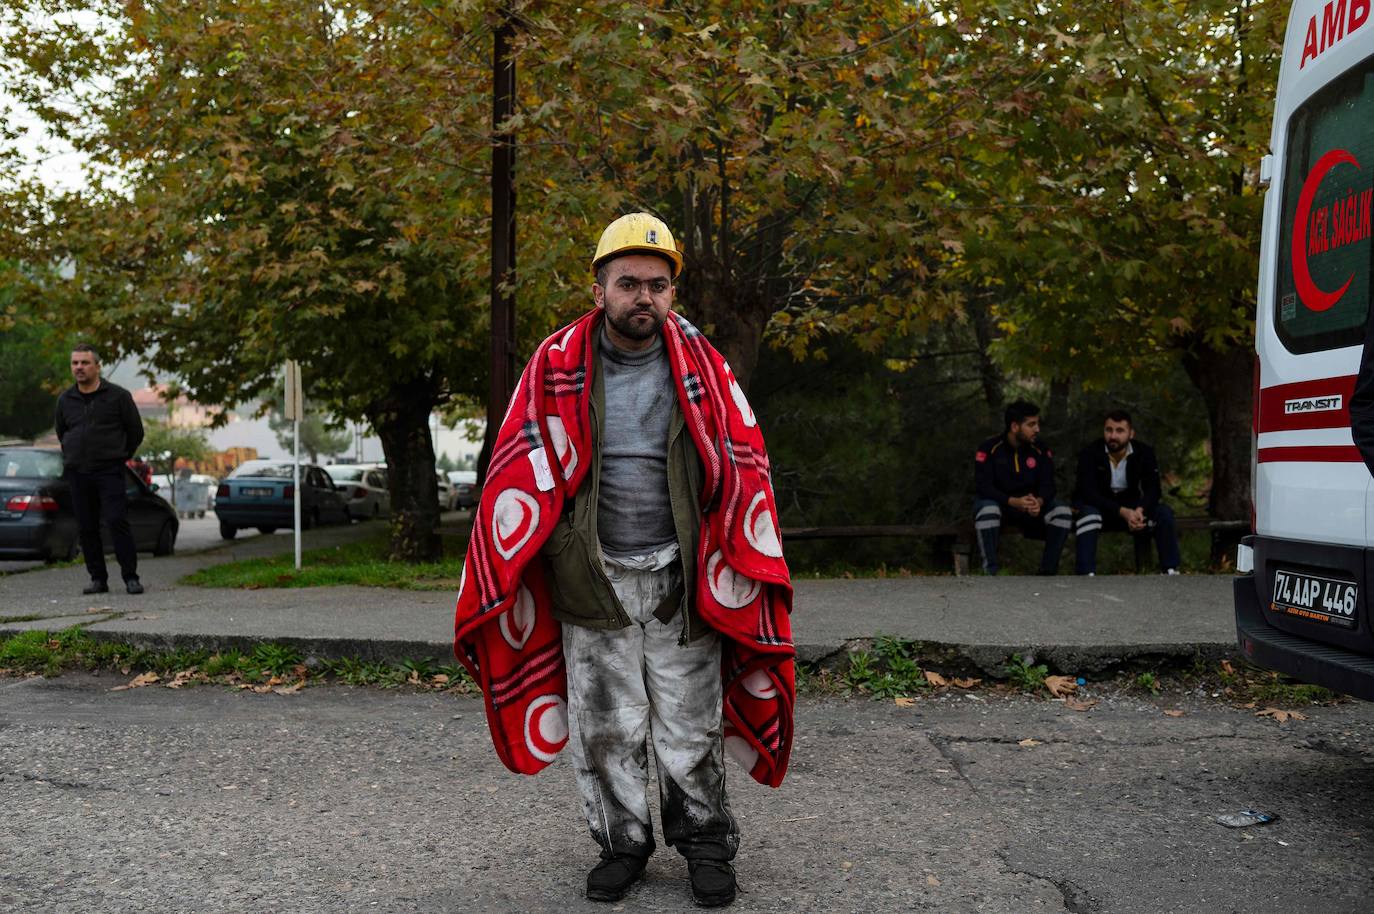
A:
[(608, 720), (987, 527), (685, 722)]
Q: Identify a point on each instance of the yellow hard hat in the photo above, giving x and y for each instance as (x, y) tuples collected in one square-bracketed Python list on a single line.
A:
[(638, 232)]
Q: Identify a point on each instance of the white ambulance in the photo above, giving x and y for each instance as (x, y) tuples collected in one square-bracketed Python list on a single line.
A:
[(1301, 593)]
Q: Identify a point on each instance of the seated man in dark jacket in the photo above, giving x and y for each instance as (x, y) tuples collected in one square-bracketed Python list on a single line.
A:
[(1118, 489), (1014, 479)]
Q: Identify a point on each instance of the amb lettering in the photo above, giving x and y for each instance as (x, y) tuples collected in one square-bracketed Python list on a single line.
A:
[(1338, 19), (1343, 222)]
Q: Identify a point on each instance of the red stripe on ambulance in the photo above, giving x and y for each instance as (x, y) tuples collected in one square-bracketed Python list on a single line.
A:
[(1320, 403)]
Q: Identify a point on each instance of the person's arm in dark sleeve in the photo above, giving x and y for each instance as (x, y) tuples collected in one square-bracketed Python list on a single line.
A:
[(60, 422), (133, 426), (1045, 483), (1086, 489), (1362, 403), (984, 482), (1150, 488)]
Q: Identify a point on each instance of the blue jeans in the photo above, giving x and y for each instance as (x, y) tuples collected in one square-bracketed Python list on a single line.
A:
[(1091, 523), (1052, 526)]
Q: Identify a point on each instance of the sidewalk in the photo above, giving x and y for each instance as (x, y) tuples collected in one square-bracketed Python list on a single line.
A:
[(1074, 624)]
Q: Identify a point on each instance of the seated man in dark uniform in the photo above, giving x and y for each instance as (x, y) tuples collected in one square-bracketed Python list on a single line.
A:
[(1014, 479), (1118, 489)]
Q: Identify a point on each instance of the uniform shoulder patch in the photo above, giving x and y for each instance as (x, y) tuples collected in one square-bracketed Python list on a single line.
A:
[(980, 457)]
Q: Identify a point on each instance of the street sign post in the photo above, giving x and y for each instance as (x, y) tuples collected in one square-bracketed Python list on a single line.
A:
[(292, 409)]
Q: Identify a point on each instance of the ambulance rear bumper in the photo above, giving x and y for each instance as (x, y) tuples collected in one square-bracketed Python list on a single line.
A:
[(1311, 661)]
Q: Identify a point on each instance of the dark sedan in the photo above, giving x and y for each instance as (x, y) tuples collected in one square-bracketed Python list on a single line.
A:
[(261, 493), (37, 520)]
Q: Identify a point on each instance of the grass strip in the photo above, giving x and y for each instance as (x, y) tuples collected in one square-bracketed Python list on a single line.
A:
[(268, 667), (362, 564)]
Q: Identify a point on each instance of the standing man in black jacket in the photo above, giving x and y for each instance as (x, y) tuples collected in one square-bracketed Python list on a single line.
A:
[(1014, 479), (100, 429), (1118, 489)]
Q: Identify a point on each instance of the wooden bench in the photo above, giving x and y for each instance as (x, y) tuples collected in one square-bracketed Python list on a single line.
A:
[(961, 541)]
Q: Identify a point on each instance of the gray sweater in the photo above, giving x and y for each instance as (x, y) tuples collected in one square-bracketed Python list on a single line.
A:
[(634, 515)]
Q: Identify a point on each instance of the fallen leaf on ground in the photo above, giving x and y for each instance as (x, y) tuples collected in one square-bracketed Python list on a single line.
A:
[(1227, 668), (966, 683), (439, 679), (1029, 743), (1174, 712), (182, 677), (414, 677), (1281, 715), (931, 880), (1074, 704), (936, 679), (300, 670), (100, 609), (291, 689), (138, 682), (1060, 686), (903, 701)]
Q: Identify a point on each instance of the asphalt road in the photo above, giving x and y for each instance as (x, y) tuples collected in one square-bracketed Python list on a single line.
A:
[(339, 800), (196, 534)]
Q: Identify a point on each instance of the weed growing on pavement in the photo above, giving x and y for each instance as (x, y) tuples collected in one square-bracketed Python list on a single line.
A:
[(1149, 682), (890, 670), (1024, 676), (362, 564)]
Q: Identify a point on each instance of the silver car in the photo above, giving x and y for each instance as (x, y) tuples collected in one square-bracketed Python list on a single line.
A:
[(364, 488)]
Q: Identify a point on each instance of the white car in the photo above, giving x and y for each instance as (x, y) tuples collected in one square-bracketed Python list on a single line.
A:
[(448, 493), (364, 487)]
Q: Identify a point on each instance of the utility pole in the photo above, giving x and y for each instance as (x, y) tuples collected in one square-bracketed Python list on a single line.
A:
[(502, 235)]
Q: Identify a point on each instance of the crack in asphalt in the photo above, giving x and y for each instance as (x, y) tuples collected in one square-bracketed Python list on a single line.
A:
[(53, 782), (1076, 899)]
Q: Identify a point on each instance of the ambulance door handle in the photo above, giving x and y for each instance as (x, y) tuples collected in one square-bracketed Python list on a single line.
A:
[(1266, 170)]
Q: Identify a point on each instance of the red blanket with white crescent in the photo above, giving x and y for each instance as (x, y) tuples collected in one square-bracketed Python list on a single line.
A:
[(505, 633)]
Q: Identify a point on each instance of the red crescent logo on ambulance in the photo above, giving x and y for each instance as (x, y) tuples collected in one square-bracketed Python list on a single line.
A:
[(1316, 299)]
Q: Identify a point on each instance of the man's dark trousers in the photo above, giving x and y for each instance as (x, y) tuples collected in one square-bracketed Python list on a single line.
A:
[(99, 496), (1091, 523)]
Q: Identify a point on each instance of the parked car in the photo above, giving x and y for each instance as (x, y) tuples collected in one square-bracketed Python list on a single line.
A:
[(260, 493), (365, 488), (467, 493), (447, 495), (37, 520)]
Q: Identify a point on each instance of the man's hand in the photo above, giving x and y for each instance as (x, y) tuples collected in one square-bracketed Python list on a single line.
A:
[(1027, 503), (1134, 518)]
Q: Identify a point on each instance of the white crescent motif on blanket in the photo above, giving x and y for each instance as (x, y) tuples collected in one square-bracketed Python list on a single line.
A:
[(513, 519), (746, 412), (546, 727), (759, 529), (741, 751), (760, 685), (517, 623), (567, 454), (731, 589)]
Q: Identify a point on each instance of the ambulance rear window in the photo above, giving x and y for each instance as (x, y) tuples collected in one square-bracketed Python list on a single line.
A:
[(1322, 299)]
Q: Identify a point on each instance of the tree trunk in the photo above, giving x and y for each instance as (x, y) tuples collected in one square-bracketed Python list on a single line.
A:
[(1225, 378), (401, 420), (735, 330), (989, 374)]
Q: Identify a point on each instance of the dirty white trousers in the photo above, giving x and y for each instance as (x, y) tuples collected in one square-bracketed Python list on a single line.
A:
[(628, 684)]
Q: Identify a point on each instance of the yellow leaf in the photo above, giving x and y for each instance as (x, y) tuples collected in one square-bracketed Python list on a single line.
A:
[(439, 679), (1060, 686), (138, 682), (902, 701), (1029, 743), (1227, 668), (936, 679), (1174, 712), (1281, 715), (966, 683)]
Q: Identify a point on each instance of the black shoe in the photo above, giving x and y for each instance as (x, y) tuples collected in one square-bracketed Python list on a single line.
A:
[(713, 882), (96, 587), (133, 586), (610, 879)]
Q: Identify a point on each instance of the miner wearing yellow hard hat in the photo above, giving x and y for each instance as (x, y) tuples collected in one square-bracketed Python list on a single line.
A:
[(652, 596)]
